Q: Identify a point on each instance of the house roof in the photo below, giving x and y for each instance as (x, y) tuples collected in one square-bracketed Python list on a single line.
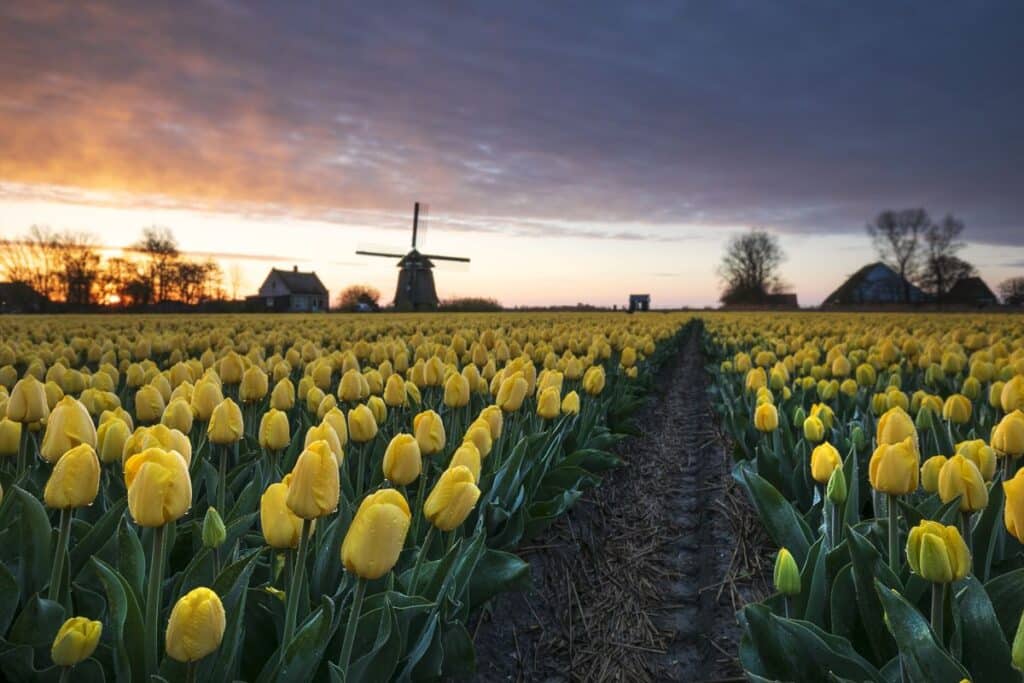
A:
[(848, 291), (971, 290), (297, 282)]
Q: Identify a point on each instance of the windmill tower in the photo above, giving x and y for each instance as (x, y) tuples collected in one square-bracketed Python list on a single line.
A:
[(415, 290)]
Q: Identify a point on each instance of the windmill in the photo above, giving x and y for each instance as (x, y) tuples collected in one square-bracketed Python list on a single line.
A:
[(415, 291)]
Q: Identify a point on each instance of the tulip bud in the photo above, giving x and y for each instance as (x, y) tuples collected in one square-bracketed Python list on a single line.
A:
[(895, 426), (930, 473), (394, 391), (957, 409), (281, 527), (925, 418), (961, 477), (68, 425), (149, 404), (799, 416), (456, 391), (766, 418), (825, 459), (429, 431), (27, 403), (159, 487), (895, 468), (480, 435), (549, 403), (1008, 436), (336, 419), (362, 426), (495, 420), (10, 437), (283, 396), (511, 393), (836, 489), (378, 408), (205, 397), (178, 415), (571, 404), (75, 479), (981, 454), (75, 641), (274, 432), (1013, 510), (452, 498), (938, 553), (814, 430), (787, 574), (315, 486), (402, 460), (255, 385), (376, 536), (468, 456), (325, 432), (1017, 651), (214, 532), (196, 627), (225, 423), (594, 380), (1011, 397), (858, 438)]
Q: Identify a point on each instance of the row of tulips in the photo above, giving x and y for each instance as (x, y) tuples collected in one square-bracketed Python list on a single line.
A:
[(188, 520), (882, 455)]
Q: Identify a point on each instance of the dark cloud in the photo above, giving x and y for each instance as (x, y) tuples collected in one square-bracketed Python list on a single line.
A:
[(529, 117)]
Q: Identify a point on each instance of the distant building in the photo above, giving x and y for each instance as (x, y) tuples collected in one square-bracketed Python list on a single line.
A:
[(639, 302), (290, 291), (763, 301), (875, 284), (18, 297), (971, 291)]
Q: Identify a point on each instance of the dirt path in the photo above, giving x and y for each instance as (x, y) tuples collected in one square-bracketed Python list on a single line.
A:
[(627, 587)]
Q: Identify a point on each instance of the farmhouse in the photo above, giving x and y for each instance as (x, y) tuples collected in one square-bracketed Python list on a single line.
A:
[(290, 291), (971, 291), (875, 283)]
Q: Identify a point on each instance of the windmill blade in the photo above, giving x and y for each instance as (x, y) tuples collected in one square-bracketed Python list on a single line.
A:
[(435, 257), (378, 253)]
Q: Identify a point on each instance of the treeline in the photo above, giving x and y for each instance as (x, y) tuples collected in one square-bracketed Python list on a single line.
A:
[(69, 267)]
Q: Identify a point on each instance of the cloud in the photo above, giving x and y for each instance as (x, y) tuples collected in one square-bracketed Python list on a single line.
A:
[(513, 118)]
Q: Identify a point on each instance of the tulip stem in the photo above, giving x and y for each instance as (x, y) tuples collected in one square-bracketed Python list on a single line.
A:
[(65, 674), (938, 607), (58, 557), (298, 571), (153, 599), (360, 464), (965, 530), (24, 437), (222, 477), (418, 510), (419, 557), (190, 672), (894, 536), (353, 623)]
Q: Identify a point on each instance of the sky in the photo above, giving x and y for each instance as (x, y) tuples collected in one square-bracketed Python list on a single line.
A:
[(575, 151)]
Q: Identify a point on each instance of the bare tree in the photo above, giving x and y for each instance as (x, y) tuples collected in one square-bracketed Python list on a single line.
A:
[(1012, 291), (941, 268), (79, 267), (750, 267), (160, 247), (235, 278), (354, 295), (897, 237), (33, 259)]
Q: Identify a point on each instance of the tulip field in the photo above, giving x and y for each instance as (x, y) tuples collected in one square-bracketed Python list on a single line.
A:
[(882, 454), (331, 498)]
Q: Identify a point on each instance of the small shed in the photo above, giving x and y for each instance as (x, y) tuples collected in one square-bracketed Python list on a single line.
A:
[(639, 302), (290, 291)]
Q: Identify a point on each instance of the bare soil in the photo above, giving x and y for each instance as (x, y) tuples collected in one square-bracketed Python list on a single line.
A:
[(642, 579)]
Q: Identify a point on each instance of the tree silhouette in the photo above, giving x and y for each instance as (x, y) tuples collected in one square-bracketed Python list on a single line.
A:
[(750, 268), (897, 237)]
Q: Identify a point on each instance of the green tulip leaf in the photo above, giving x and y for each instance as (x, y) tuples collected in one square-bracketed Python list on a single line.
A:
[(986, 653), (303, 655), (786, 528), (1006, 592), (497, 572), (97, 536), (35, 543)]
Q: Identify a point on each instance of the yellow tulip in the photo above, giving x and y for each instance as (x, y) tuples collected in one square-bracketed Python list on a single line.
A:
[(495, 420), (325, 432), (75, 479), (766, 418), (824, 460), (205, 397), (571, 404), (378, 408), (930, 473), (429, 431), (336, 419), (957, 409), (469, 456), (938, 553), (315, 486), (274, 433), (1012, 396), (402, 460), (75, 641), (226, 425), (27, 403), (787, 573), (196, 627), (178, 415), (149, 404), (479, 433), (377, 534), (1008, 436), (68, 425), (10, 437), (549, 403), (255, 385), (394, 391), (895, 426), (511, 393), (456, 391), (594, 380), (895, 468), (961, 477), (981, 454), (1013, 511), (283, 396), (350, 388), (452, 498), (159, 487), (814, 430), (281, 527), (362, 426)]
